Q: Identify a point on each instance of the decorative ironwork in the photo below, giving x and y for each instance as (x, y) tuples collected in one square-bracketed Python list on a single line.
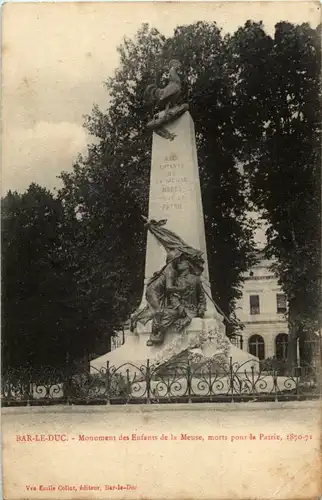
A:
[(181, 380), (25, 387)]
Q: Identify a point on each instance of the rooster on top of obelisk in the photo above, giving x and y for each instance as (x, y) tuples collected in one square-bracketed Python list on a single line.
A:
[(170, 94), (166, 99)]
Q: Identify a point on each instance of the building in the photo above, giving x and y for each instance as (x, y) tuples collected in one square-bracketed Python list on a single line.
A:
[(262, 311)]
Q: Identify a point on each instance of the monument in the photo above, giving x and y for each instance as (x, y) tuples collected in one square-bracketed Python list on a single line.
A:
[(177, 313)]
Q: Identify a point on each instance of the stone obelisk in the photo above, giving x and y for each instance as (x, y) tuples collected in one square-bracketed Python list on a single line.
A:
[(175, 195)]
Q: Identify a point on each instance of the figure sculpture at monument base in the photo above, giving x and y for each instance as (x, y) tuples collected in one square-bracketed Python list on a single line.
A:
[(172, 322), (174, 294)]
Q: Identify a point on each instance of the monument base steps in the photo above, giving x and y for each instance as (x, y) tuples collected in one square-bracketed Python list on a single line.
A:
[(135, 353)]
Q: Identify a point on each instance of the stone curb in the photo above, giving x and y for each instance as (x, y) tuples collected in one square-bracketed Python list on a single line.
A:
[(150, 408)]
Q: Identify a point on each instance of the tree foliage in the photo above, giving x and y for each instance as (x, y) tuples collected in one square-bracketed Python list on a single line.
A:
[(125, 144), (255, 102), (59, 285), (74, 264), (283, 166), (33, 283)]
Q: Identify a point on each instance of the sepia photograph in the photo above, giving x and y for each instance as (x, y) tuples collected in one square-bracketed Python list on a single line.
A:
[(161, 250)]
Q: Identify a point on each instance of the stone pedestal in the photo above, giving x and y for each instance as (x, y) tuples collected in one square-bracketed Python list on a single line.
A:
[(135, 350), (135, 353)]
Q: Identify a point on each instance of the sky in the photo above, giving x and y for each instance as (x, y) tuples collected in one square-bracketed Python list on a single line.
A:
[(57, 56)]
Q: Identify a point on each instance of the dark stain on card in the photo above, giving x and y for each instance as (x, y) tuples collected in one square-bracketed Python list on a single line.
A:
[(25, 82)]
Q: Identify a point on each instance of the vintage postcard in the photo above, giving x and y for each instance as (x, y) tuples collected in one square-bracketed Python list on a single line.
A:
[(161, 251)]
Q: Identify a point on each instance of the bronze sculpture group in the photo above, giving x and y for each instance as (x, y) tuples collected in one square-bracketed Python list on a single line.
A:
[(174, 294)]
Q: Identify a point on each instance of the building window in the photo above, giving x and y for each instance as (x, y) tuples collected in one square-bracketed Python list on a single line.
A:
[(281, 342), (281, 303), (237, 341), (254, 304), (256, 346)]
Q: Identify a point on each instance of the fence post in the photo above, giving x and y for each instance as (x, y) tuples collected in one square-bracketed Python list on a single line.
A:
[(254, 391), (231, 378), (189, 380), (29, 388), (148, 380), (66, 382), (275, 384), (108, 383), (298, 380)]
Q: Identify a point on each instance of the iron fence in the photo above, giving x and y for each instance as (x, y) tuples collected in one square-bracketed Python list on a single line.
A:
[(178, 381)]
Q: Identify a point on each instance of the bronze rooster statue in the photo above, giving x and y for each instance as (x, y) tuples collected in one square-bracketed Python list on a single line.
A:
[(169, 95)]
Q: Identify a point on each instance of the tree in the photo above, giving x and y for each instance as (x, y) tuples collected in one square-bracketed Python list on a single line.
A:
[(122, 155), (74, 263), (98, 227), (61, 290), (33, 283), (283, 167)]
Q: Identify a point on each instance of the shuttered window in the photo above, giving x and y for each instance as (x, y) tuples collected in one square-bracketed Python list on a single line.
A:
[(281, 303), (254, 304)]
